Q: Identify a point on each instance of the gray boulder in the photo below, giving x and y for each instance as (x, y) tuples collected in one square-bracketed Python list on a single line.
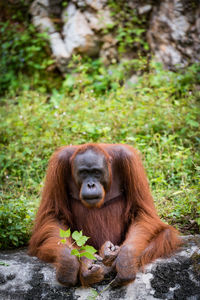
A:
[(78, 36), (173, 33), (173, 29), (177, 277)]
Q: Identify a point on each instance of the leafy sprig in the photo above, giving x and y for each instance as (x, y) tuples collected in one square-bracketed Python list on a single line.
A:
[(79, 240)]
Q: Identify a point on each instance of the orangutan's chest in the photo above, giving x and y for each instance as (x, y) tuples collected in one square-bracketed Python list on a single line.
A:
[(100, 225)]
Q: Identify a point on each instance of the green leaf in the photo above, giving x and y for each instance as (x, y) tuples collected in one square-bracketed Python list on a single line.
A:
[(79, 238), (75, 252), (76, 235), (2, 263), (89, 249), (63, 241), (69, 81), (82, 240), (193, 123), (94, 294), (65, 234), (88, 255), (62, 233), (198, 221)]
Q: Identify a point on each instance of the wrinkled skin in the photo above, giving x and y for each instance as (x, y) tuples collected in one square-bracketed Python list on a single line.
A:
[(91, 271), (67, 268), (91, 174), (121, 260), (112, 258), (124, 266), (109, 253)]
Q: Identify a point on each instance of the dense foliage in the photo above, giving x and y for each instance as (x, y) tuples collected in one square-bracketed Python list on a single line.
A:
[(23, 50), (40, 111), (129, 29)]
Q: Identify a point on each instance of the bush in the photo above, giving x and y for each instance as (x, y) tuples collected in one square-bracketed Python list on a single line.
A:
[(16, 217), (23, 51)]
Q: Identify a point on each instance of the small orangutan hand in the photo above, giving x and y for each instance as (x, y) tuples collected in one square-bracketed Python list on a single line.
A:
[(124, 265), (67, 268), (109, 253), (91, 271)]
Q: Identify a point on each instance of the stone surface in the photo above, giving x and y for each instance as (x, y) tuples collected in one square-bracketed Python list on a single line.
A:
[(44, 24), (59, 51), (40, 8), (78, 30), (96, 4), (78, 36), (178, 277), (144, 9), (98, 20), (173, 29), (68, 12), (173, 32)]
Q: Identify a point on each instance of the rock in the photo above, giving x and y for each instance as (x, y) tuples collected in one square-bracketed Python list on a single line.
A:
[(172, 35), (79, 3), (109, 39), (54, 2), (45, 8), (99, 20), (94, 4), (108, 54), (56, 43), (93, 20), (108, 51), (40, 8), (78, 36), (173, 29), (59, 51), (105, 18), (44, 24), (177, 277), (144, 9), (68, 12)]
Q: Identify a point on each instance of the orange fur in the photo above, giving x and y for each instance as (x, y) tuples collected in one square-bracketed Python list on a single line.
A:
[(130, 219)]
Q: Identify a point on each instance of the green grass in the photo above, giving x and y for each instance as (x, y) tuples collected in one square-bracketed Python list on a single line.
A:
[(158, 115)]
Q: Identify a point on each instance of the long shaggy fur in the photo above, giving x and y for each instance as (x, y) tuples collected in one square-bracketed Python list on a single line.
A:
[(129, 219)]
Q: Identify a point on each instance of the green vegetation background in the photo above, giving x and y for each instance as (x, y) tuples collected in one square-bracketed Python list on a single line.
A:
[(40, 111)]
